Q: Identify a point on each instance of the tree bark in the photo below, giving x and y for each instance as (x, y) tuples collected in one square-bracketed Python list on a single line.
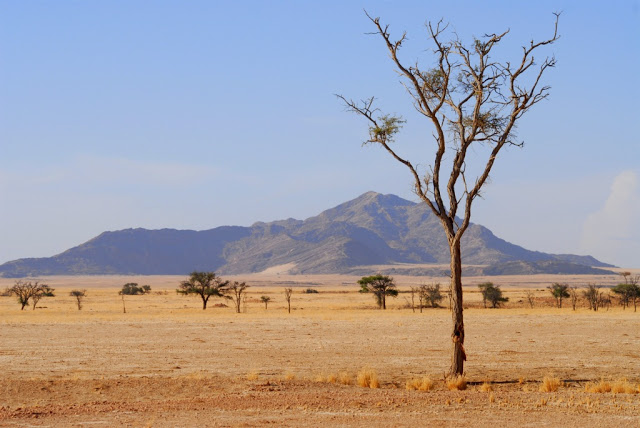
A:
[(458, 356)]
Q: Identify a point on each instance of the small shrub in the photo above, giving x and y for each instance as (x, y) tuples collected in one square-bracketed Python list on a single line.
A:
[(368, 378), (420, 384), (458, 383), (311, 291), (550, 384)]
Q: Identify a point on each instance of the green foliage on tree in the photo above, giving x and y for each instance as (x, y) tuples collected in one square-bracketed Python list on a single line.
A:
[(559, 292), (431, 294), (205, 285), (492, 294), (132, 289), (629, 293), (381, 287)]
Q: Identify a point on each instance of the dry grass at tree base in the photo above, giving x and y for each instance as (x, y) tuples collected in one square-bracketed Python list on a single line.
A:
[(166, 362)]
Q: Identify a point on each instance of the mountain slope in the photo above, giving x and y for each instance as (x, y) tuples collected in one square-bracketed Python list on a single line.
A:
[(372, 229)]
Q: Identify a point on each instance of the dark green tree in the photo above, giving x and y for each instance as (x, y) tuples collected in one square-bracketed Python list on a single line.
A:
[(629, 293), (205, 285), (381, 286), (492, 294), (132, 289), (559, 292)]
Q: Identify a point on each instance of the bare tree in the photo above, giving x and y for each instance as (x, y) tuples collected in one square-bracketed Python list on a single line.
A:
[(593, 296), (238, 289), (433, 294), (40, 291), (205, 285), (287, 296), (79, 295), (530, 296), (30, 290), (469, 100), (573, 295)]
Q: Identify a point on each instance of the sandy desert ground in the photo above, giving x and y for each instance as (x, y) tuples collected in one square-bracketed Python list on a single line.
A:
[(166, 362)]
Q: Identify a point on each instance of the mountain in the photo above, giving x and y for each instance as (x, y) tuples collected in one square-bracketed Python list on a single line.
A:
[(372, 229)]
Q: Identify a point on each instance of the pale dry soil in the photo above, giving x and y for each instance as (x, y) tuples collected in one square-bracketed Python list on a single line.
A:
[(166, 362)]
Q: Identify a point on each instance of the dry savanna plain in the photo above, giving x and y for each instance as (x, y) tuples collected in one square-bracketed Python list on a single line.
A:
[(166, 362)]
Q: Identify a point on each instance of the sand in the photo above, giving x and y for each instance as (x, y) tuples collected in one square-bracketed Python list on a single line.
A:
[(166, 362)]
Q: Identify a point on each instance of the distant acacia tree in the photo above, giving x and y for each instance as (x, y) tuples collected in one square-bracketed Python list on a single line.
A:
[(629, 293), (205, 285), (132, 289), (30, 290), (530, 295), (381, 286), (432, 294), (43, 290), (593, 296), (470, 100), (237, 289), (287, 296), (573, 294), (492, 294), (559, 292), (265, 300), (79, 295)]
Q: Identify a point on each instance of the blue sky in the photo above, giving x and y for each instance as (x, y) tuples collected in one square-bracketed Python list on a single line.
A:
[(196, 114)]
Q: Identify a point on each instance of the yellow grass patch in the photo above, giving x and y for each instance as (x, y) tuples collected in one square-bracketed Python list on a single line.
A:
[(550, 384), (457, 383), (486, 387), (368, 378), (420, 384), (344, 378), (253, 375)]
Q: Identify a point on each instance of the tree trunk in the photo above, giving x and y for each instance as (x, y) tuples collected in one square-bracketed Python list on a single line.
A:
[(204, 303), (458, 356), (384, 301)]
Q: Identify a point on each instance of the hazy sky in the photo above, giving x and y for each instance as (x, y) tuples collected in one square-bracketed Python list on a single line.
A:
[(196, 114)]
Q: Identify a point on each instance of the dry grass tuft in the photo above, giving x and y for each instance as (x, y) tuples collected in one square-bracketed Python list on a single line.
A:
[(550, 384), (598, 388), (492, 398), (252, 375), (344, 378), (486, 387), (368, 378), (332, 378), (458, 382), (622, 386), (319, 378), (289, 376), (521, 380), (420, 384)]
